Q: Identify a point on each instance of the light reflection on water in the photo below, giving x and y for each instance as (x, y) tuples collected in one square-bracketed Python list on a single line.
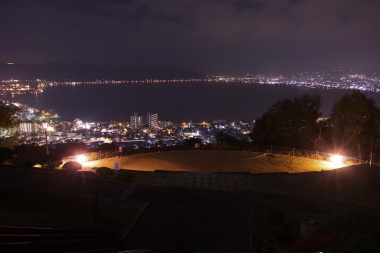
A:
[(172, 101)]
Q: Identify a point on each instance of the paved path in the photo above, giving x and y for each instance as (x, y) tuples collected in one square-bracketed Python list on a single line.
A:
[(199, 180), (196, 179)]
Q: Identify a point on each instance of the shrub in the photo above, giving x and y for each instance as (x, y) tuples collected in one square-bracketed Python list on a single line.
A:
[(321, 242), (5, 154), (351, 233), (94, 156), (72, 166), (355, 246), (104, 172), (23, 163), (277, 217), (360, 223), (349, 163), (109, 154), (315, 156), (51, 162), (124, 175)]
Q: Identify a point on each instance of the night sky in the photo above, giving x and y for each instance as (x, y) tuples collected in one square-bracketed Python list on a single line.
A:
[(212, 36)]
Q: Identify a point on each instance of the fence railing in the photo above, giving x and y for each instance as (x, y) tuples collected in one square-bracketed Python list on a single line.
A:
[(317, 155), (91, 156), (312, 154)]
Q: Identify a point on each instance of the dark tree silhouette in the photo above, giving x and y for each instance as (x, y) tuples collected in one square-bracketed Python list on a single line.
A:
[(354, 119), (6, 116), (5, 154), (289, 123), (6, 121)]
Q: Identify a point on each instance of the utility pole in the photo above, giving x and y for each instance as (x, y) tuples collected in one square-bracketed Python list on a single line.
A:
[(372, 155), (45, 125)]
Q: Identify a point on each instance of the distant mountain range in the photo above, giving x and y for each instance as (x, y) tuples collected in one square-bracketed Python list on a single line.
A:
[(87, 72)]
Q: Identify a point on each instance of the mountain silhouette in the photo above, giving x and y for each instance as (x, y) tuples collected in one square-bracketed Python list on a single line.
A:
[(88, 72)]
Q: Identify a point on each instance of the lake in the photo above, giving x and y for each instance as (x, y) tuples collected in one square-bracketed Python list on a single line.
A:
[(178, 102)]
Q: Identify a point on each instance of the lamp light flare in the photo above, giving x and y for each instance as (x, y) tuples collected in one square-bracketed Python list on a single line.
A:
[(337, 161), (80, 159)]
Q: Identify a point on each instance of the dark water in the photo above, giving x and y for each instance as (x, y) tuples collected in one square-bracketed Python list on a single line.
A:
[(178, 102)]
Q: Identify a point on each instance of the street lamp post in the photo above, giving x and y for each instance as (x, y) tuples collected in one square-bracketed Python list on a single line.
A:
[(45, 125), (372, 154)]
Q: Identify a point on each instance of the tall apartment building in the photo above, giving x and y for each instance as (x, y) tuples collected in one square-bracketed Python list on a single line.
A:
[(151, 120), (28, 127), (136, 121)]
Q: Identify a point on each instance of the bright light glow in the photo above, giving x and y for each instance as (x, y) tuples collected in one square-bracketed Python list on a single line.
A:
[(81, 159), (337, 161)]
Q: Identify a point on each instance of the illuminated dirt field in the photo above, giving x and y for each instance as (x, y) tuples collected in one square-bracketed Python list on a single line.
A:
[(213, 161)]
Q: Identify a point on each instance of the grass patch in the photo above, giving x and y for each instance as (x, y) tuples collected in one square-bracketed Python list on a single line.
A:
[(213, 161)]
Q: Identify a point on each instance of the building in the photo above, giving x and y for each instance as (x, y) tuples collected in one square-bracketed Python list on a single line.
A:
[(136, 121), (28, 127), (151, 120), (164, 123)]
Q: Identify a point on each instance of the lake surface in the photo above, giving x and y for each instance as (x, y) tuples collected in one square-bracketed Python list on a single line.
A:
[(178, 102)]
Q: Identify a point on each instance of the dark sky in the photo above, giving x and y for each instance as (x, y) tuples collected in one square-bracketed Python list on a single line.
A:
[(212, 36)]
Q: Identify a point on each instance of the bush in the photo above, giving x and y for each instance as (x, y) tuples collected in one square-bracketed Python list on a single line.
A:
[(360, 223), (351, 233), (277, 217), (51, 162), (23, 163), (94, 156), (314, 156), (5, 154), (356, 246), (72, 166), (104, 172), (321, 242), (124, 175)]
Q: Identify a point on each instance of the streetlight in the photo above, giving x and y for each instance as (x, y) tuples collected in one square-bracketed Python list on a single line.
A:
[(45, 126), (372, 154)]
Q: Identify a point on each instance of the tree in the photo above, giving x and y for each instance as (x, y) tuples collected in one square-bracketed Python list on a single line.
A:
[(6, 116), (50, 162), (5, 154), (289, 123), (72, 166), (354, 118), (225, 138), (6, 121)]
